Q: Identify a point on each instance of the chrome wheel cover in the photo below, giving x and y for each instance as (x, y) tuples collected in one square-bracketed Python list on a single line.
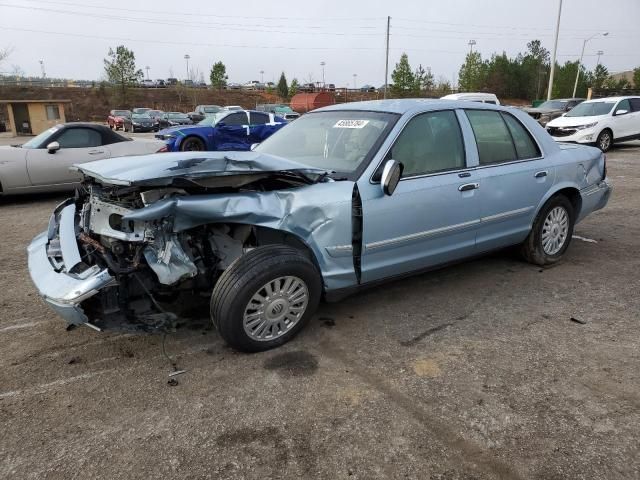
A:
[(275, 308), (555, 230)]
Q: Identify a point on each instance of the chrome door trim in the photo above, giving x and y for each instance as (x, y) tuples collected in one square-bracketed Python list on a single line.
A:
[(420, 235), (508, 214)]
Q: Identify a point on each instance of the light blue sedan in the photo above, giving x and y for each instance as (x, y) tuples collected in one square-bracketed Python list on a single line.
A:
[(343, 198)]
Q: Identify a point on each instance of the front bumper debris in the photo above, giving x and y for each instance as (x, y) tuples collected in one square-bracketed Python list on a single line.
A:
[(60, 288)]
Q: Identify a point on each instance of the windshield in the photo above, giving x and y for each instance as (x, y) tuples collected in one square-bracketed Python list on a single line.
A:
[(591, 109), (552, 105), (335, 140), (122, 113), (141, 116), (36, 141), (211, 109), (178, 116)]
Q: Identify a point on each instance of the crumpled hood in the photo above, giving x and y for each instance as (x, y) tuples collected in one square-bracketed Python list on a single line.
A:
[(162, 168)]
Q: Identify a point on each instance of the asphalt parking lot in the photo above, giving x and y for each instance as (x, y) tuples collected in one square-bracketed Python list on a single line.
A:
[(489, 369)]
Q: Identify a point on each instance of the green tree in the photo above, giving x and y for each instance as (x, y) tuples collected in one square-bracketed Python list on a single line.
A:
[(293, 88), (403, 78), (599, 76), (472, 75), (283, 88), (636, 77), (443, 87), (218, 75), (120, 67)]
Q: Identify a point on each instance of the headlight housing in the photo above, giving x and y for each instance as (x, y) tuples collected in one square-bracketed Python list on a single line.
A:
[(584, 127)]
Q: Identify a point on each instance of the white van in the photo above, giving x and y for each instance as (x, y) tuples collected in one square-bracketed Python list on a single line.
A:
[(474, 97)]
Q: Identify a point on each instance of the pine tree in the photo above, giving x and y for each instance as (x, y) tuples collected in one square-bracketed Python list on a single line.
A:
[(283, 88)]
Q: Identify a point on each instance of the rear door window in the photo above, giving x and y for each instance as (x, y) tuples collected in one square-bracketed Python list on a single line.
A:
[(235, 119), (635, 104), (493, 138), (259, 118), (525, 146)]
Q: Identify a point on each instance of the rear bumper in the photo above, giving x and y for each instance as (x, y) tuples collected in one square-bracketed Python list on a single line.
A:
[(61, 290), (595, 198)]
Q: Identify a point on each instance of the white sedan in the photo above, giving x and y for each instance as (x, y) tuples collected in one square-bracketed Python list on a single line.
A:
[(42, 164)]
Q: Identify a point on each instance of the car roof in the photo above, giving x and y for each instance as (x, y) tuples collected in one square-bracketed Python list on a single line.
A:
[(405, 105), (612, 99)]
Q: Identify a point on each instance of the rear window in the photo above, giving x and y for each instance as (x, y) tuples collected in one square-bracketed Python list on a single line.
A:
[(492, 137)]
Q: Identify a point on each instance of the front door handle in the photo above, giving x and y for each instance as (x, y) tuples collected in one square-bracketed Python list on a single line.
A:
[(541, 174), (468, 186), (96, 152)]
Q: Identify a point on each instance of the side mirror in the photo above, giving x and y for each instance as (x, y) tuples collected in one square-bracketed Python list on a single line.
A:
[(391, 174), (221, 124), (622, 111), (253, 146), (53, 147)]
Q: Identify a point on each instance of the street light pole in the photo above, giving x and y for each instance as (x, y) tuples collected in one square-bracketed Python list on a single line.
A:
[(471, 44), (42, 68), (386, 62), (575, 85), (553, 57), (600, 52), (355, 76), (322, 64), (187, 57), (147, 69)]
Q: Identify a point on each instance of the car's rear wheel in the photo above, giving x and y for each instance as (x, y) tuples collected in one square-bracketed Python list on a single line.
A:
[(551, 232), (605, 140), (265, 298), (192, 144)]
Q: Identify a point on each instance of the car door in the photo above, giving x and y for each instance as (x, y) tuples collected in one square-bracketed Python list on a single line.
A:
[(635, 111), (623, 123), (513, 174), (232, 132), (77, 145), (432, 215), (261, 126)]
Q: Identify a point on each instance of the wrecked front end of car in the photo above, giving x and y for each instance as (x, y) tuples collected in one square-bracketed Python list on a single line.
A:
[(139, 235)]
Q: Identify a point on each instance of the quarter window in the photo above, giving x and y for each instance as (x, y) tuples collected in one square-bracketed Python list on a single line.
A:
[(430, 142), (53, 112), (525, 146), (235, 119), (259, 118), (492, 137), (635, 104)]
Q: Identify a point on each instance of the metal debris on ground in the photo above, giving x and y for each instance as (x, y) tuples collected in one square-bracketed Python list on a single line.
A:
[(577, 320)]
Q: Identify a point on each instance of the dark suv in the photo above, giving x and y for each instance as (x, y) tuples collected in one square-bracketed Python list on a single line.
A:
[(547, 111)]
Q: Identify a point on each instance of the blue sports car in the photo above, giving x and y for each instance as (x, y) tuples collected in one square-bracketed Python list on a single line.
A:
[(226, 130)]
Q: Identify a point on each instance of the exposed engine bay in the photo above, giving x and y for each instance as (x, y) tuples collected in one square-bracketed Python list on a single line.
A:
[(153, 262)]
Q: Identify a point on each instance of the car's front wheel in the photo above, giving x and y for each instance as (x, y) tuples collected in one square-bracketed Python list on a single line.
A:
[(265, 298), (192, 144), (551, 232), (605, 140)]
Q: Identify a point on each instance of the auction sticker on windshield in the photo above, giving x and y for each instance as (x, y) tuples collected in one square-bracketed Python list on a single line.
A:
[(350, 123)]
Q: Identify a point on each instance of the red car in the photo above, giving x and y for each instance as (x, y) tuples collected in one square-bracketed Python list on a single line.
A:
[(116, 118)]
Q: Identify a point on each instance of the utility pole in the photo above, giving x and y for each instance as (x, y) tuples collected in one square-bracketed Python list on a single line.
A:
[(355, 76), (471, 44), (187, 57), (42, 68), (322, 64), (386, 62), (600, 53), (147, 69), (555, 48)]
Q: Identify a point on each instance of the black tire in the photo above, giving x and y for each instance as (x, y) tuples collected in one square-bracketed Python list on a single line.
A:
[(605, 140), (533, 249), (245, 278), (192, 144)]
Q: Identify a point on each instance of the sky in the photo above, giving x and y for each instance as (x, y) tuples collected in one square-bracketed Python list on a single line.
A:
[(72, 37)]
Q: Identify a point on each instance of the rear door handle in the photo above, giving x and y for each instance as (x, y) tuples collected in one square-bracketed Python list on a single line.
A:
[(541, 174), (468, 186), (96, 152)]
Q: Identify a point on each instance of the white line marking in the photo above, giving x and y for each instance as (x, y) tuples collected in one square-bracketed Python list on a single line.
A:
[(19, 326), (584, 239)]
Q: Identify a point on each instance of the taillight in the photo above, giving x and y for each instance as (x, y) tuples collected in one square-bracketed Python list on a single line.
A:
[(163, 149)]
